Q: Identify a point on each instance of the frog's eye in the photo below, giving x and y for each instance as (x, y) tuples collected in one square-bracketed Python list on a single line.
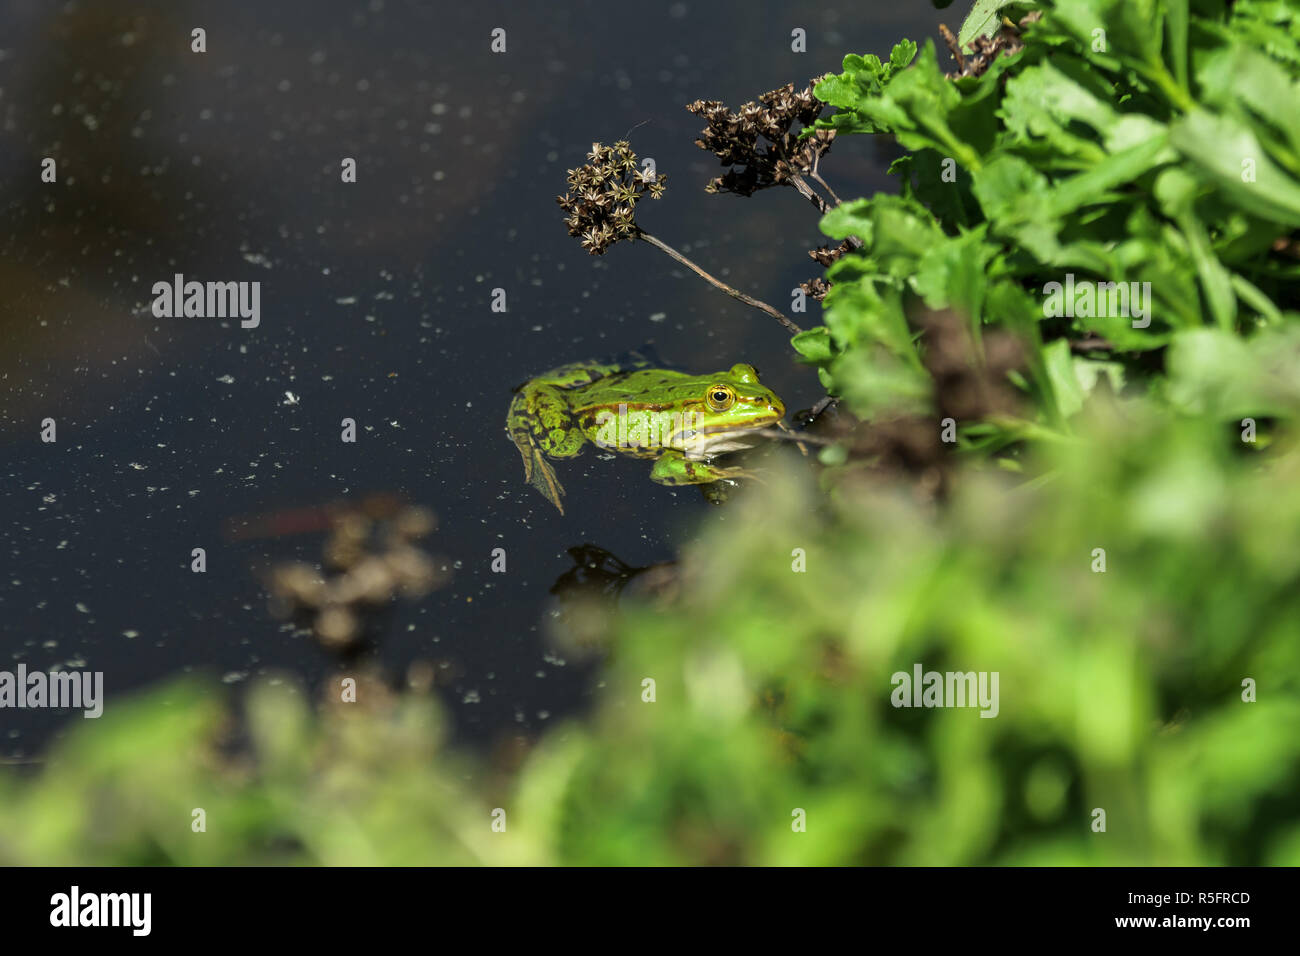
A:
[(720, 397)]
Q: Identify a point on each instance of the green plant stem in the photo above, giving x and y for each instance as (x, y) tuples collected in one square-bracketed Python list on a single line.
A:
[(1161, 77), (1252, 296), (717, 283)]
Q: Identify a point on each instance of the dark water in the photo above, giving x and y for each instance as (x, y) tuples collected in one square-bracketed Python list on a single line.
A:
[(375, 305)]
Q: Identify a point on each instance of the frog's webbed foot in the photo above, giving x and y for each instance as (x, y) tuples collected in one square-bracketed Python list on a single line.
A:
[(544, 480), (538, 471)]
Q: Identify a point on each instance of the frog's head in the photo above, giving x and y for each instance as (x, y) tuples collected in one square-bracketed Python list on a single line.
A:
[(729, 405)]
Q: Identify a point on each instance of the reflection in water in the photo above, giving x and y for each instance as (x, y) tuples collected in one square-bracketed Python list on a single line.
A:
[(588, 593), (370, 558)]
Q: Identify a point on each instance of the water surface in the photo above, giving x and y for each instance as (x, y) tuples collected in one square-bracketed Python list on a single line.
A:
[(375, 305)]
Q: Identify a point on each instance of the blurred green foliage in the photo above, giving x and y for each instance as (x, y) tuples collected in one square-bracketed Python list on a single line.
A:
[(1120, 690)]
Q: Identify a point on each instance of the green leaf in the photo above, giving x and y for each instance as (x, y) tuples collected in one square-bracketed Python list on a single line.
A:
[(943, 187), (849, 219), (913, 103), (1060, 369), (1225, 150), (1176, 189), (875, 381), (984, 19), (953, 273), (867, 312), (1130, 28), (1249, 85), (814, 345), (1041, 101), (1272, 26), (1074, 378), (1217, 373), (1088, 372), (1010, 188), (902, 54), (1116, 169), (895, 232)]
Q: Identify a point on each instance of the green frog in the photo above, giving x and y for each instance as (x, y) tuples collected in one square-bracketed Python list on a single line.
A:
[(681, 421)]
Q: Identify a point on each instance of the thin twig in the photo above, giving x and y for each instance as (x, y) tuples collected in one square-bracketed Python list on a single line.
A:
[(803, 449), (807, 193), (953, 46), (717, 283), (797, 437), (824, 184), (822, 205)]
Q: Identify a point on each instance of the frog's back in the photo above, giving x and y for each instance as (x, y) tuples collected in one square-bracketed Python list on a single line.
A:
[(631, 387), (574, 375), (578, 374)]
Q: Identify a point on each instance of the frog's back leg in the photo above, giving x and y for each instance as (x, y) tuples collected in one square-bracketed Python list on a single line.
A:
[(541, 424), (539, 473), (542, 413)]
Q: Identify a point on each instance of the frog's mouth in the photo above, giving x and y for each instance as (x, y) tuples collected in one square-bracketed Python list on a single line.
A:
[(720, 439)]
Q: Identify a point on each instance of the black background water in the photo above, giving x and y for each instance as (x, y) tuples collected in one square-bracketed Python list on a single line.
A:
[(375, 305)]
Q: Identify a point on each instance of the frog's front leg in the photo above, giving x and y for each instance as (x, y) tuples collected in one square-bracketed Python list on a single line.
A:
[(674, 468)]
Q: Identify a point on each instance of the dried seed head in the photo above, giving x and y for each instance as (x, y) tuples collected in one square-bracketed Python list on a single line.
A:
[(603, 194), (759, 143), (817, 288), (825, 255)]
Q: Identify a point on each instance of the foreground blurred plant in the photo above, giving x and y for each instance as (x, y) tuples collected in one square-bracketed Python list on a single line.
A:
[(1120, 690), (368, 783)]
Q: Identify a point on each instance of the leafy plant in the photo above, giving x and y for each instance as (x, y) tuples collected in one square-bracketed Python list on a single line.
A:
[(1119, 142)]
